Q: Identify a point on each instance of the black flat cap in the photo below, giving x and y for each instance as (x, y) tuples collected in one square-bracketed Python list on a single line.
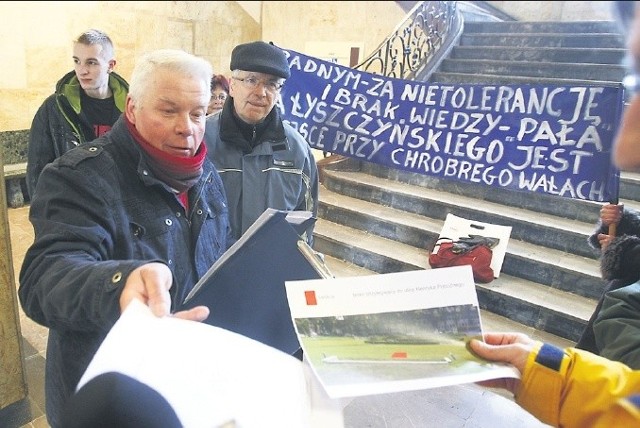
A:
[(260, 57)]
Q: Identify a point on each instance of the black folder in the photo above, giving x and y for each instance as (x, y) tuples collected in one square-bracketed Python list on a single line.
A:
[(245, 288)]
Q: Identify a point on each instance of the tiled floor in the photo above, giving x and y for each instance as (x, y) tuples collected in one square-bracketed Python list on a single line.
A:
[(456, 406)]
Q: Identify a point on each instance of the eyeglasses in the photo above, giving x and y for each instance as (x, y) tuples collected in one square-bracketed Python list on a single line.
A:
[(220, 97), (252, 83)]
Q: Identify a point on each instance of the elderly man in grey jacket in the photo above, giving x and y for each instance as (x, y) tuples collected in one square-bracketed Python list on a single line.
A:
[(264, 162)]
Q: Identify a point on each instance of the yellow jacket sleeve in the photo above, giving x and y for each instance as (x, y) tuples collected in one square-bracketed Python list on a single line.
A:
[(575, 388)]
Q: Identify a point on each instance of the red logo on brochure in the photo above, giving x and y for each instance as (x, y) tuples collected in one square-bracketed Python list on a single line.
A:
[(310, 297)]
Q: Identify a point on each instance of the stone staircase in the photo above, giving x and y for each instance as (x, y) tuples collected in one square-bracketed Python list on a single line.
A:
[(373, 219), (516, 52)]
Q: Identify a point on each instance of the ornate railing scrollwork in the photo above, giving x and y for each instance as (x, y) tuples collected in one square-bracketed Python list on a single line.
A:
[(415, 42)]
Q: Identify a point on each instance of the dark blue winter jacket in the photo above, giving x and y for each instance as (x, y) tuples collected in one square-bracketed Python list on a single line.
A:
[(99, 214)]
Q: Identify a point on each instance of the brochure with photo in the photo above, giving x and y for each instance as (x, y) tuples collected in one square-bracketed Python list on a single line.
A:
[(393, 332)]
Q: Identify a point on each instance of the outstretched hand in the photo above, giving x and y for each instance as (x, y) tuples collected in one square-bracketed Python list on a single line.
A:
[(150, 283), (512, 348)]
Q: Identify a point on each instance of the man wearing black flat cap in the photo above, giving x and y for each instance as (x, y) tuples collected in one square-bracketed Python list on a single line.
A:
[(264, 162)]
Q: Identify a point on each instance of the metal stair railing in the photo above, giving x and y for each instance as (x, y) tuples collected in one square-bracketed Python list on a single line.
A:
[(417, 44)]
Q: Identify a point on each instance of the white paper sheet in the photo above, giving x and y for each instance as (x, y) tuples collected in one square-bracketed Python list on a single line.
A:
[(212, 376), (392, 332)]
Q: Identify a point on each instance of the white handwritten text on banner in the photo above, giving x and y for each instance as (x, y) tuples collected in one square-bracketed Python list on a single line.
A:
[(548, 139)]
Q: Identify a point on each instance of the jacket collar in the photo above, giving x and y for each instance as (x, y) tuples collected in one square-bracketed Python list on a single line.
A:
[(69, 87), (235, 131)]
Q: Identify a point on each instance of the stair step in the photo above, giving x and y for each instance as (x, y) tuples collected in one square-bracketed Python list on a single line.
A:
[(542, 54), (369, 251), (579, 40), (614, 73), (581, 210), (558, 312), (558, 269), (496, 79), (630, 189), (496, 323), (555, 232), (340, 268), (541, 27)]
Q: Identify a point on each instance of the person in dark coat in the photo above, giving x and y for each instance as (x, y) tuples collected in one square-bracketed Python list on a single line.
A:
[(619, 259), (86, 103), (139, 213)]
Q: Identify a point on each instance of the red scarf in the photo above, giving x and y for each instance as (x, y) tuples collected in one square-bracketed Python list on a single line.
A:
[(177, 172)]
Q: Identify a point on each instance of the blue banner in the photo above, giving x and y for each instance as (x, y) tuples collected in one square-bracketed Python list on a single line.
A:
[(547, 139)]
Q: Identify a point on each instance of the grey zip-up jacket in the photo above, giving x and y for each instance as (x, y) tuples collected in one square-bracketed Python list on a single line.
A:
[(277, 170)]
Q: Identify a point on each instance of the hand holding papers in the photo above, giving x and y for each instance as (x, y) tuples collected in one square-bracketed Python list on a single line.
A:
[(211, 376), (244, 289), (392, 332)]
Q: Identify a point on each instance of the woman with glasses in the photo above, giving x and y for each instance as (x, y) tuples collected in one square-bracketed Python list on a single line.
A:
[(219, 93)]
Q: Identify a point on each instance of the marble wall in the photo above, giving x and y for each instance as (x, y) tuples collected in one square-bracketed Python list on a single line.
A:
[(36, 41), (36, 37)]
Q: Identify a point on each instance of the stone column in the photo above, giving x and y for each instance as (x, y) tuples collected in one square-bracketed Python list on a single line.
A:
[(13, 386)]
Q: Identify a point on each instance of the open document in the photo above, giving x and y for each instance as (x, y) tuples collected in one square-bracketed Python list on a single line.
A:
[(393, 332), (214, 378)]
